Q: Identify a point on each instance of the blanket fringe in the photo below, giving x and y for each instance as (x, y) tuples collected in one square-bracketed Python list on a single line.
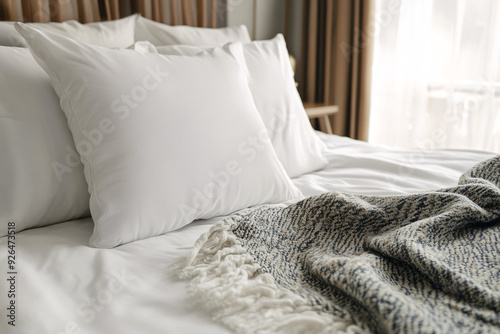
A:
[(227, 282)]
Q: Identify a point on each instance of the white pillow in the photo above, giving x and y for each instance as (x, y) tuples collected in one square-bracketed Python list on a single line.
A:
[(111, 34), (41, 177), (164, 140), (163, 34), (9, 36), (278, 102)]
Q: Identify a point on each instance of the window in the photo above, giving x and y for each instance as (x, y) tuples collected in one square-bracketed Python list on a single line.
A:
[(436, 74)]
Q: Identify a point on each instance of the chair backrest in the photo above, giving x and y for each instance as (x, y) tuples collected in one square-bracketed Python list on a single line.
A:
[(201, 13)]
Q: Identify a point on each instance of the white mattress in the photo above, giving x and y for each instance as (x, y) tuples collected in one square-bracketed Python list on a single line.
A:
[(64, 285)]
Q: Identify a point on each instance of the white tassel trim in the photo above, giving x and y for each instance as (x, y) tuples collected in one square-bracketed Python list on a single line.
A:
[(226, 281)]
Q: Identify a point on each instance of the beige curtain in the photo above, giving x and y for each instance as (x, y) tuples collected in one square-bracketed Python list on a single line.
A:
[(203, 14), (337, 58)]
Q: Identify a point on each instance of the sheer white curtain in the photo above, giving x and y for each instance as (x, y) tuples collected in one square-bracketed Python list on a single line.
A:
[(436, 74)]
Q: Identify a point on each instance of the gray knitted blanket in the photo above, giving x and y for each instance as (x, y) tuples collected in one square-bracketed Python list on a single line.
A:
[(422, 263)]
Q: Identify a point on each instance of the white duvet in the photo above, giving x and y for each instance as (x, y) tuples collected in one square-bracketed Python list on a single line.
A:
[(64, 286)]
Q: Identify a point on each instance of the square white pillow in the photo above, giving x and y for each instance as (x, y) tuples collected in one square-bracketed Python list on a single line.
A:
[(278, 102), (111, 34), (41, 177), (164, 34), (164, 140)]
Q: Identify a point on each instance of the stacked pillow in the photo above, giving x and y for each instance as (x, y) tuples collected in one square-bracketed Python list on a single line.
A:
[(111, 34), (41, 178), (164, 140), (194, 132)]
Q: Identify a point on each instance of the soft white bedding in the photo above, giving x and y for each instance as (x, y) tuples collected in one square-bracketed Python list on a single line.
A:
[(361, 168), (65, 286)]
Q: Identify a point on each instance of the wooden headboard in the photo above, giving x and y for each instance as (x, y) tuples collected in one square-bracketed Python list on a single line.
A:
[(201, 13)]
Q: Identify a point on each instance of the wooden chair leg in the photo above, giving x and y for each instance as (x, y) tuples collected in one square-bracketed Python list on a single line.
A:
[(325, 125)]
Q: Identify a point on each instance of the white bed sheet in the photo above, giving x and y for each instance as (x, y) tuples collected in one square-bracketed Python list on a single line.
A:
[(64, 286), (361, 168)]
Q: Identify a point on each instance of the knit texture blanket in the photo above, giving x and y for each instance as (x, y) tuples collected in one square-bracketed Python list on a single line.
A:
[(339, 263)]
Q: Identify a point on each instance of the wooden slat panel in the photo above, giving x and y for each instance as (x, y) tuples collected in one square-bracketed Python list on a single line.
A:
[(213, 13), (204, 14), (40, 11), (187, 13), (353, 110), (141, 7), (82, 10), (12, 10), (342, 65), (30, 7), (365, 69), (201, 12), (27, 12), (157, 10), (311, 50), (328, 50), (62, 11), (96, 14), (88, 11), (320, 52), (286, 32), (174, 12), (107, 9), (124, 8), (114, 10)]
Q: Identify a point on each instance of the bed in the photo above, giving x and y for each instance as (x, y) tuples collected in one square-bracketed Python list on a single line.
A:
[(208, 270), (61, 279)]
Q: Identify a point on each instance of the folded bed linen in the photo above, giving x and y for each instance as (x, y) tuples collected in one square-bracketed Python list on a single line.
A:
[(64, 286)]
